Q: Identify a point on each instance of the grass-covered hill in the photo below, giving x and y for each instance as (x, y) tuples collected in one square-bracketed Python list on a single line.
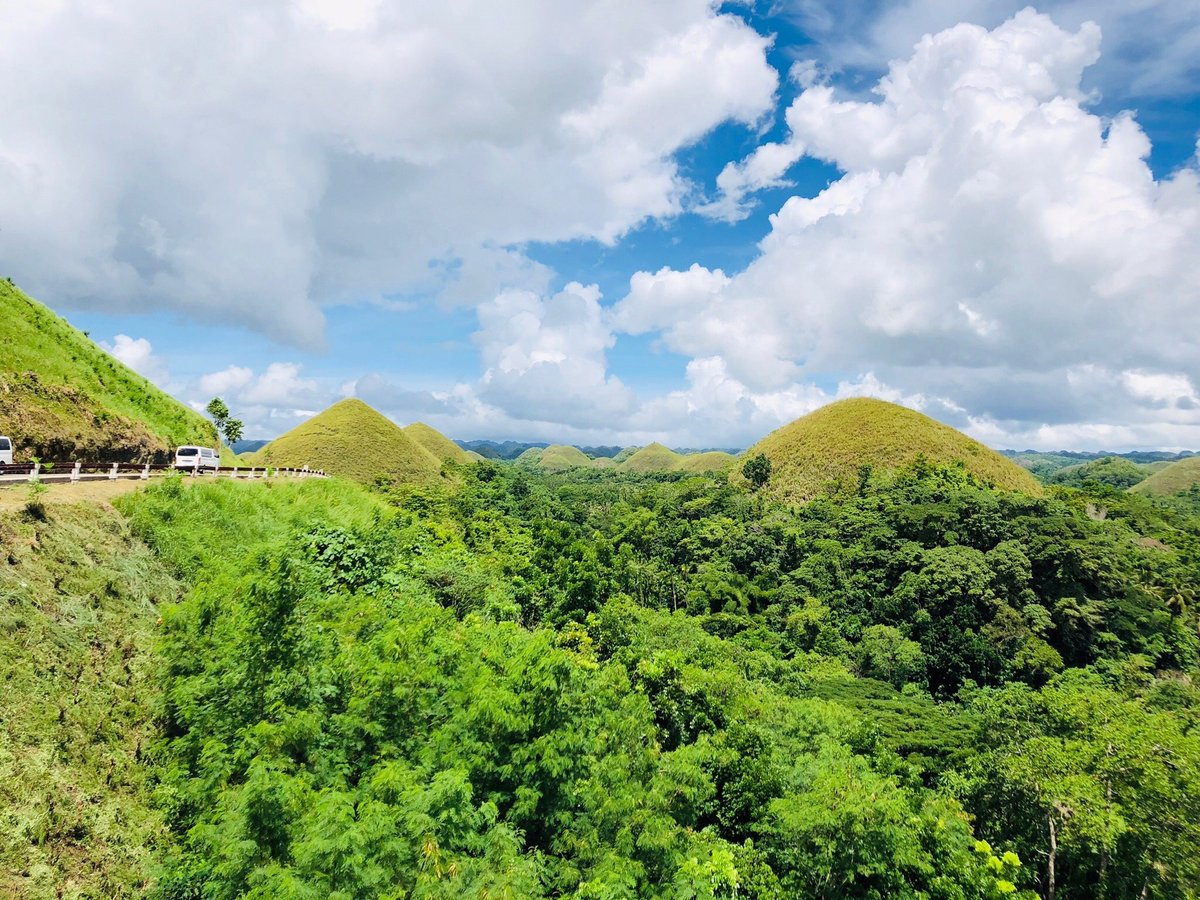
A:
[(1114, 471), (354, 441), (657, 458), (824, 451), (63, 398), (560, 457), (438, 444), (1177, 477)]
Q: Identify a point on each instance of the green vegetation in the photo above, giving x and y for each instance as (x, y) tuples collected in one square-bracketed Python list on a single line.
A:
[(1176, 478), (63, 398), (438, 444), (602, 684), (79, 601), (354, 441), (1113, 471), (829, 451)]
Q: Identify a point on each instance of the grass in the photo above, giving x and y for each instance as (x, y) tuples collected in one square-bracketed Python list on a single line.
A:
[(560, 457), (712, 461), (438, 444), (63, 398), (1166, 482), (79, 598), (652, 458), (354, 441), (823, 452)]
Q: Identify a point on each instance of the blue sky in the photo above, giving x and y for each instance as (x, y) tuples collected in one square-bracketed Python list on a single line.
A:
[(681, 222)]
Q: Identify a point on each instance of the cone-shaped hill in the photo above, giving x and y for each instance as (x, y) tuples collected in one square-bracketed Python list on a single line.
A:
[(354, 441), (560, 457), (657, 458), (438, 444), (824, 451), (1166, 482), (651, 458)]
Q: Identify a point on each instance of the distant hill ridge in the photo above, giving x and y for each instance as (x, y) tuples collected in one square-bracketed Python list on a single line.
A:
[(62, 397), (824, 451)]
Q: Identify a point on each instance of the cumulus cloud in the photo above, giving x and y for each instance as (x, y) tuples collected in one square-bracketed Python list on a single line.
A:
[(138, 354), (544, 358), (991, 241), (254, 162), (1153, 45)]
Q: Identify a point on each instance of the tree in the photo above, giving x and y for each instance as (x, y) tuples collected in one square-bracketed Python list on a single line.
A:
[(230, 428), (757, 470)]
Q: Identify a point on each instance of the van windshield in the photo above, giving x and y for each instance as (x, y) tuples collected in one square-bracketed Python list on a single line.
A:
[(187, 451)]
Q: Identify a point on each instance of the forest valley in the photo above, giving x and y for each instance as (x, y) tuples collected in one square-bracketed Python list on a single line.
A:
[(597, 685)]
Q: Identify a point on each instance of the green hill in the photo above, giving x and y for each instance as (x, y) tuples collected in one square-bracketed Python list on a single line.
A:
[(603, 462), (560, 457), (529, 459), (1110, 470), (438, 444), (823, 451), (1179, 476), (354, 441), (712, 461), (62, 397), (651, 458)]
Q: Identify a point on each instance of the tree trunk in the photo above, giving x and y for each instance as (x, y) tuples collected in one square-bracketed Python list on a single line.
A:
[(1050, 862)]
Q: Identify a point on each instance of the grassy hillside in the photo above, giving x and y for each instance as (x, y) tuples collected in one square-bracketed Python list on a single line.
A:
[(529, 459), (1179, 476), (354, 441), (824, 451), (560, 457), (62, 397), (712, 461), (438, 444), (79, 598)]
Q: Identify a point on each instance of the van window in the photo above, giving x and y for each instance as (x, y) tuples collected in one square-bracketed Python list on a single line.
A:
[(5, 443), (188, 451), (207, 453)]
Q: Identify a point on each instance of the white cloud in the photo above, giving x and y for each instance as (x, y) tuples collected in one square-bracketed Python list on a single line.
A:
[(280, 385), (253, 162), (990, 240), (544, 358), (138, 354), (228, 380)]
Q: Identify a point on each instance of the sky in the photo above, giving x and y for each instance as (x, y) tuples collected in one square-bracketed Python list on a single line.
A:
[(617, 221)]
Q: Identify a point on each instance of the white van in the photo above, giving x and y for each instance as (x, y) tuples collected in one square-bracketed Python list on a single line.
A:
[(192, 458), (5, 451)]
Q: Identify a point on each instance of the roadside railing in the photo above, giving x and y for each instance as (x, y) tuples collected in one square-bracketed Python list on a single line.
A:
[(74, 472)]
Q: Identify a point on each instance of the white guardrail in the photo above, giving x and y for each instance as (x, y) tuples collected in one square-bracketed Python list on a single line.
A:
[(74, 472)]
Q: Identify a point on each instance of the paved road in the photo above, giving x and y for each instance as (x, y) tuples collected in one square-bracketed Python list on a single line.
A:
[(14, 495)]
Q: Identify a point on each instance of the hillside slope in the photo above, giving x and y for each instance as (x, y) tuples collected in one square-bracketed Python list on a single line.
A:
[(823, 451), (438, 444), (560, 457), (79, 599), (62, 397), (1166, 482), (354, 441), (651, 458)]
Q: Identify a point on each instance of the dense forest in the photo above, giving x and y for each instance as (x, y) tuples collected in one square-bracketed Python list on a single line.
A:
[(607, 686)]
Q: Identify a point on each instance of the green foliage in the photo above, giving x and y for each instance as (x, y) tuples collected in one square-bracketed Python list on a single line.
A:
[(78, 606), (62, 397), (757, 470), (603, 684), (823, 453), (354, 441), (1110, 471)]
